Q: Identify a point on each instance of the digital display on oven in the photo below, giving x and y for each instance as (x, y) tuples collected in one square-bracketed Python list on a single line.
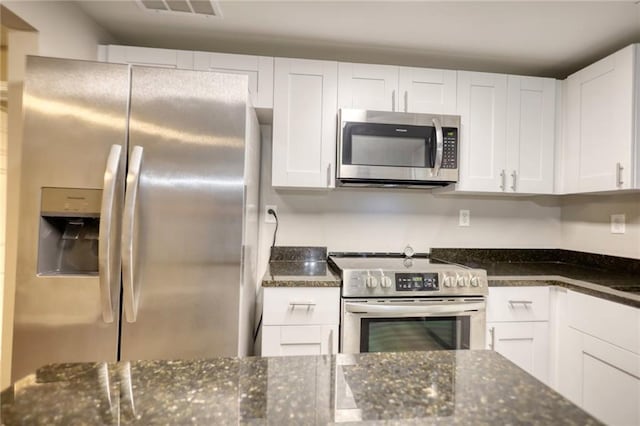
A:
[(417, 282)]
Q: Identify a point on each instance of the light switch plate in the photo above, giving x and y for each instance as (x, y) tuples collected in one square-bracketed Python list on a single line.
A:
[(465, 218), (618, 223)]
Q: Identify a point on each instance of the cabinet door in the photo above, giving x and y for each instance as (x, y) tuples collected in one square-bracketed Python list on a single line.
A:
[(259, 69), (304, 123), (599, 126), (482, 105), (365, 86), (299, 340), (530, 134), (526, 344), (427, 90), (165, 58)]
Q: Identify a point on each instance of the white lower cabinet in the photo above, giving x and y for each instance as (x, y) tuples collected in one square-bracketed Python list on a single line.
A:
[(518, 327), (300, 321), (598, 367), (526, 344)]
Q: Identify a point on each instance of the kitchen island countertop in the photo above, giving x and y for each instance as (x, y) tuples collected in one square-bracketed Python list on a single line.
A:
[(452, 387)]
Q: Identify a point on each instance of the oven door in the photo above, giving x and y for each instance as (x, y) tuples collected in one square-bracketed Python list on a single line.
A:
[(412, 325)]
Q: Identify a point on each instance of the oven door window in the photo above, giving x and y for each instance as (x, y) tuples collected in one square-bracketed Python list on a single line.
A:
[(414, 334), (374, 144)]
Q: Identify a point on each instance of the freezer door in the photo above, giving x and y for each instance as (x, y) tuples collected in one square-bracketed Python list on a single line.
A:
[(68, 271), (182, 221)]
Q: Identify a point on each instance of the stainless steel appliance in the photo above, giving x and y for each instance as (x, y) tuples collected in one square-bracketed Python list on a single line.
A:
[(378, 148), (146, 174), (397, 303)]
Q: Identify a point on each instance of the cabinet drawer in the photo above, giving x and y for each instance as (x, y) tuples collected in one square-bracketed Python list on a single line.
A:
[(518, 304), (291, 306), (612, 322), (299, 340)]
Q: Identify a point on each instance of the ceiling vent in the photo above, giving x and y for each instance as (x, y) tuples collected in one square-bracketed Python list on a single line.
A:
[(197, 7)]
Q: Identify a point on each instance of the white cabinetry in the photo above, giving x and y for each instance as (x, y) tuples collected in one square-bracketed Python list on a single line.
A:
[(518, 327), (508, 133), (167, 58), (259, 69), (600, 129), (599, 358), (300, 321), (391, 88), (304, 123)]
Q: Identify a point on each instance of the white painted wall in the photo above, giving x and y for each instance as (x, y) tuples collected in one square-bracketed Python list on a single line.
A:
[(586, 223), (367, 219), (65, 31)]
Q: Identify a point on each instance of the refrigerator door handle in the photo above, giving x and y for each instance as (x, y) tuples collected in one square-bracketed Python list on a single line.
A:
[(106, 225), (130, 296)]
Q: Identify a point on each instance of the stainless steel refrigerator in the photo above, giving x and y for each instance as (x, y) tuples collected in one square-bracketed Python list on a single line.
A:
[(138, 215)]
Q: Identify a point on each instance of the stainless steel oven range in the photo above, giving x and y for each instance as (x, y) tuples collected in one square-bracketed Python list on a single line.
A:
[(391, 302)]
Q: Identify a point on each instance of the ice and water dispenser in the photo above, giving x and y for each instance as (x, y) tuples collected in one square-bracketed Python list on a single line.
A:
[(69, 226)]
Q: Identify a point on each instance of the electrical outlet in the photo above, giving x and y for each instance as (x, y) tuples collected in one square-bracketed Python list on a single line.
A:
[(268, 217), (465, 218), (617, 224)]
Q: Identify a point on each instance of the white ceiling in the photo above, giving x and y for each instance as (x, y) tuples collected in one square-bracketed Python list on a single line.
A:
[(535, 38)]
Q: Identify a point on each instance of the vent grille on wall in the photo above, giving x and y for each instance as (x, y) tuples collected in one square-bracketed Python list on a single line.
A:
[(198, 7)]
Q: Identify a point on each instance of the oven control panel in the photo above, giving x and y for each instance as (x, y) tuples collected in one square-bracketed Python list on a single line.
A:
[(416, 282), (381, 283)]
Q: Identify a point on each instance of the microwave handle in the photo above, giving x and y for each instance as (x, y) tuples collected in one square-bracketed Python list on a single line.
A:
[(439, 146)]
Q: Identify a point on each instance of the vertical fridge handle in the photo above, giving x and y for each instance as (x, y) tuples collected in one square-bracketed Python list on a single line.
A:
[(104, 234), (130, 298)]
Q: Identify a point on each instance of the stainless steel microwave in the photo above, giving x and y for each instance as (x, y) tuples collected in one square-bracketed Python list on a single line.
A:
[(398, 149)]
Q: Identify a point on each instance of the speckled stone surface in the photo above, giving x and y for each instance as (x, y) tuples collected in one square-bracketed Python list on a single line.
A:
[(300, 267), (450, 387), (608, 277)]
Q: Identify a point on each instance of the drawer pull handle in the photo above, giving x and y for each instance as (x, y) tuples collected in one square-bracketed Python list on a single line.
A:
[(294, 305), (526, 303)]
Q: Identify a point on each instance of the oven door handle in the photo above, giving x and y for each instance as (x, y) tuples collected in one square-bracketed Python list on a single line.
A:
[(412, 310)]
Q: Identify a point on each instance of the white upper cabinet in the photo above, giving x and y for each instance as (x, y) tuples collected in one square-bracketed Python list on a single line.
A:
[(426, 90), (304, 123), (365, 86), (166, 58), (259, 69), (600, 136), (482, 105), (530, 134), (391, 88), (508, 133)]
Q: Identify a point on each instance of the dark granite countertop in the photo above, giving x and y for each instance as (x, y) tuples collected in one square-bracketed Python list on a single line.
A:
[(607, 277), (300, 267), (452, 387)]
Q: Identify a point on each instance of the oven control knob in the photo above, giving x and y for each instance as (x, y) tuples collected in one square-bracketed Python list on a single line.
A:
[(385, 282), (460, 281), (448, 281), (475, 281), (371, 282)]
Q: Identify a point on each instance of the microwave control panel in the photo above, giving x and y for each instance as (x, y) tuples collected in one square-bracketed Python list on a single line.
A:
[(417, 282), (450, 148)]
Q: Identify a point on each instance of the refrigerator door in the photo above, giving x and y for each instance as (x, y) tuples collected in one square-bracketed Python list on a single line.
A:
[(182, 221), (73, 157)]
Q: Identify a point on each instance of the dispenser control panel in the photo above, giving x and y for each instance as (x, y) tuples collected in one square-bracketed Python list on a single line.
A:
[(71, 202)]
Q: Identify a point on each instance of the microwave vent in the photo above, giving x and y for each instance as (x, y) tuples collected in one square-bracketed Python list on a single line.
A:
[(182, 7)]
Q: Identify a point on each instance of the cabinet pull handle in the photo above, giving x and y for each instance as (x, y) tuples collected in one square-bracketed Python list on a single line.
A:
[(619, 170), (526, 303), (406, 101), (503, 180), (492, 332), (308, 304), (393, 100), (329, 175), (514, 175)]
